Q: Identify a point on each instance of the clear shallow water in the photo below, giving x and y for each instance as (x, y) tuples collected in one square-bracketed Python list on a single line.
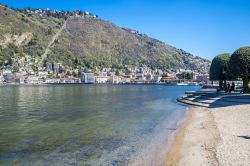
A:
[(84, 124)]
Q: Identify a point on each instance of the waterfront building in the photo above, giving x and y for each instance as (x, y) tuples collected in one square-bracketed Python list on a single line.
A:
[(140, 76), (33, 80), (102, 79), (7, 71), (20, 80), (148, 77), (1, 79), (88, 78), (77, 80), (53, 81), (124, 79), (202, 78), (160, 72), (168, 78), (114, 79), (71, 80), (157, 78)]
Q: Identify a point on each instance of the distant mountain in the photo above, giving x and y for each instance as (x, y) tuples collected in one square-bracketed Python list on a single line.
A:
[(81, 39)]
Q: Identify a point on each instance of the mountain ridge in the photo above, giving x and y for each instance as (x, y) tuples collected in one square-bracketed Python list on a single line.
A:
[(87, 41)]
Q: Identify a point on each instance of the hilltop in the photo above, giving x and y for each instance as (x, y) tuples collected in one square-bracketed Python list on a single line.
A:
[(77, 39)]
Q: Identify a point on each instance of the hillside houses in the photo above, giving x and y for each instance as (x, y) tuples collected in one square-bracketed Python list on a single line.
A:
[(55, 73), (56, 13)]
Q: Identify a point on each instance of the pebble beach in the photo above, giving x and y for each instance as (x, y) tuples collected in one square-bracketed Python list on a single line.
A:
[(213, 136)]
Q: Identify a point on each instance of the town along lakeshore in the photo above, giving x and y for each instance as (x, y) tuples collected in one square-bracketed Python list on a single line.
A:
[(86, 124)]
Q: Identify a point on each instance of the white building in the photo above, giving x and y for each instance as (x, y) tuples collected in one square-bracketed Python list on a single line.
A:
[(1, 79), (114, 79), (124, 79), (53, 81), (102, 79), (202, 78), (6, 71), (33, 80), (88, 78), (20, 80)]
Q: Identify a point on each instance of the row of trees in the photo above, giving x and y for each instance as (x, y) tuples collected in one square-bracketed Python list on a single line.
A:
[(234, 66)]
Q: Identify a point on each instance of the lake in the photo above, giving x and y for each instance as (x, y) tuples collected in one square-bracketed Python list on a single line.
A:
[(87, 124)]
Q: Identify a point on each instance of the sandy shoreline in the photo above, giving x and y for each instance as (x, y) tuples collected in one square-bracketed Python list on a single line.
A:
[(213, 136)]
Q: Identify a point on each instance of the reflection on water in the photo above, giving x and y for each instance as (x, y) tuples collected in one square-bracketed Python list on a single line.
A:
[(81, 124)]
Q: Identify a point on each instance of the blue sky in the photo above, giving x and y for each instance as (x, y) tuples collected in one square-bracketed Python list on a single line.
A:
[(202, 27)]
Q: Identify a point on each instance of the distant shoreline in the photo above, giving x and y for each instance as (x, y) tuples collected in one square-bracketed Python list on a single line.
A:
[(85, 84), (164, 84)]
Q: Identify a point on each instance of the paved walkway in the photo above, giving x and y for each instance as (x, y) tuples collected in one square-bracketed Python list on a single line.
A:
[(212, 99)]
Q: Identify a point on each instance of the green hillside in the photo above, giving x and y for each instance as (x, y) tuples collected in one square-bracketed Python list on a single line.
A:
[(83, 40)]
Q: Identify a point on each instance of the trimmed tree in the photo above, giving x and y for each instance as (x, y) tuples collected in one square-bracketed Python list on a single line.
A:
[(219, 69), (240, 66)]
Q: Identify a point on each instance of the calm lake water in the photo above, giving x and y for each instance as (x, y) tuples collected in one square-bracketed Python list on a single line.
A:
[(85, 124)]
